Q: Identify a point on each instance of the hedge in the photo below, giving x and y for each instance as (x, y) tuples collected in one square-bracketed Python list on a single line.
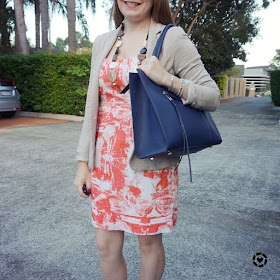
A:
[(221, 82), (275, 87), (49, 83)]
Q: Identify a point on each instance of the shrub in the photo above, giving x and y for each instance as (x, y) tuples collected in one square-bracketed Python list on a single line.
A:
[(275, 87), (221, 82), (247, 92), (49, 83)]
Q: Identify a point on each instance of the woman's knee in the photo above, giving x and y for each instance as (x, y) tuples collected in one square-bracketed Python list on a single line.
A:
[(109, 243), (150, 243)]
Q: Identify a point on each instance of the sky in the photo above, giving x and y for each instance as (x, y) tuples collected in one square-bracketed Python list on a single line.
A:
[(259, 52)]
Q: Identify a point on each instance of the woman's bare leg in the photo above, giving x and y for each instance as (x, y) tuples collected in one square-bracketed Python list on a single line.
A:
[(152, 257), (112, 263)]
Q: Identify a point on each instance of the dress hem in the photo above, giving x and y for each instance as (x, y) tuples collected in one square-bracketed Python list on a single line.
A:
[(166, 230)]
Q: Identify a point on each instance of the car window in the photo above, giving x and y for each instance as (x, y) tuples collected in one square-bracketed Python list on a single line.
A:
[(6, 83)]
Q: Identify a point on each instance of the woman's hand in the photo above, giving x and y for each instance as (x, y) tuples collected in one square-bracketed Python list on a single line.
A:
[(82, 177), (155, 71)]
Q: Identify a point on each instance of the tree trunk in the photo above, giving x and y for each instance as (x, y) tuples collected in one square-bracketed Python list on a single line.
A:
[(50, 37), (21, 27), (37, 24), (44, 9), (17, 47), (71, 14), (5, 44)]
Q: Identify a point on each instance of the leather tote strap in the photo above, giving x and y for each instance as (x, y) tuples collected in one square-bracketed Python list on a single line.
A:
[(156, 51), (158, 46)]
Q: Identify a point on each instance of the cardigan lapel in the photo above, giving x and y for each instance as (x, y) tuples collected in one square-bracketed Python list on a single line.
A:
[(109, 42), (154, 33), (97, 60)]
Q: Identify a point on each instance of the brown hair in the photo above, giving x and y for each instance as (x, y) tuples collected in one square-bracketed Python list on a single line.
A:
[(160, 12)]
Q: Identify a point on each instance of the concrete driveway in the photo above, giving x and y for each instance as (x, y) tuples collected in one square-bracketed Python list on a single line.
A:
[(229, 213)]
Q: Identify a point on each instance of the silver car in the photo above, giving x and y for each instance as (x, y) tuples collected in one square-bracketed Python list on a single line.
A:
[(9, 99)]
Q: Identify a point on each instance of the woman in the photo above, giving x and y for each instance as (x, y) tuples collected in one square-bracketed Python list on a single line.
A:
[(129, 194)]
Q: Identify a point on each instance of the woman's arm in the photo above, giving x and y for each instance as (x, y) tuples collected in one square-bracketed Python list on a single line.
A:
[(198, 89), (203, 93), (155, 71), (82, 153)]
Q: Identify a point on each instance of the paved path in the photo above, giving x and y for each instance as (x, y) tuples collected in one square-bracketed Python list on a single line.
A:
[(230, 212)]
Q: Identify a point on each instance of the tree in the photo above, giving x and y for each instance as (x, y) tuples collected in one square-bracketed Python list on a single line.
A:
[(60, 45), (21, 27), (233, 72), (265, 3), (219, 28), (90, 4), (37, 12), (7, 18), (71, 15), (41, 8), (82, 43), (44, 9), (276, 59), (73, 11), (37, 23)]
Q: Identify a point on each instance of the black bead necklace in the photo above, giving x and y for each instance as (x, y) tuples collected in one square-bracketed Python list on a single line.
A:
[(113, 64)]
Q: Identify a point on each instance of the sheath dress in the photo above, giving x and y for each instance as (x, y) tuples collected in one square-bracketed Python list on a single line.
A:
[(143, 203)]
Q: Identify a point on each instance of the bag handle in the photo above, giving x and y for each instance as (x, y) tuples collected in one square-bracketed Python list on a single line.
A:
[(156, 51), (158, 46)]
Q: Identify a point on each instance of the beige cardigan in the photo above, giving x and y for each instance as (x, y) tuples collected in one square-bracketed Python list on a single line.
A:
[(179, 57)]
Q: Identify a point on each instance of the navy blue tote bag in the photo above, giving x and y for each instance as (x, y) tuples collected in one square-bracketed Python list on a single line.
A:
[(163, 126)]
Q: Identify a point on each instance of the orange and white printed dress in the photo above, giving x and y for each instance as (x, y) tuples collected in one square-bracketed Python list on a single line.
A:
[(143, 203)]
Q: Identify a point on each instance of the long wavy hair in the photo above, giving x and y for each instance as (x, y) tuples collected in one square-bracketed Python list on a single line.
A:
[(160, 12)]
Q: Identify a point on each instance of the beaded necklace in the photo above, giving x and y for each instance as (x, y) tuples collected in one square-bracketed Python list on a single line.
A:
[(112, 66)]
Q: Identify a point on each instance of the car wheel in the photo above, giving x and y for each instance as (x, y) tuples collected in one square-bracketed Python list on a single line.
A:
[(8, 114)]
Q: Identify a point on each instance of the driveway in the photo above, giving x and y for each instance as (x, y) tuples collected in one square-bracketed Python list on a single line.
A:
[(19, 121), (229, 213)]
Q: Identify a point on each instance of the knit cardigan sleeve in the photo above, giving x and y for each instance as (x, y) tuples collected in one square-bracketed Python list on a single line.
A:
[(203, 93), (82, 153)]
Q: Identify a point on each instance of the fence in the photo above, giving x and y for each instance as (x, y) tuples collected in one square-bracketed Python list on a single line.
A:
[(236, 87)]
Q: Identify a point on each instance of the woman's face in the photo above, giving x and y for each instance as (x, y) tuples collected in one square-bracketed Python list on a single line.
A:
[(135, 10)]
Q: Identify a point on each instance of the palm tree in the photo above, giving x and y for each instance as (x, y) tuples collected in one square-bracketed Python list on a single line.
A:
[(67, 8), (44, 9), (37, 24), (36, 5), (21, 27), (71, 14)]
